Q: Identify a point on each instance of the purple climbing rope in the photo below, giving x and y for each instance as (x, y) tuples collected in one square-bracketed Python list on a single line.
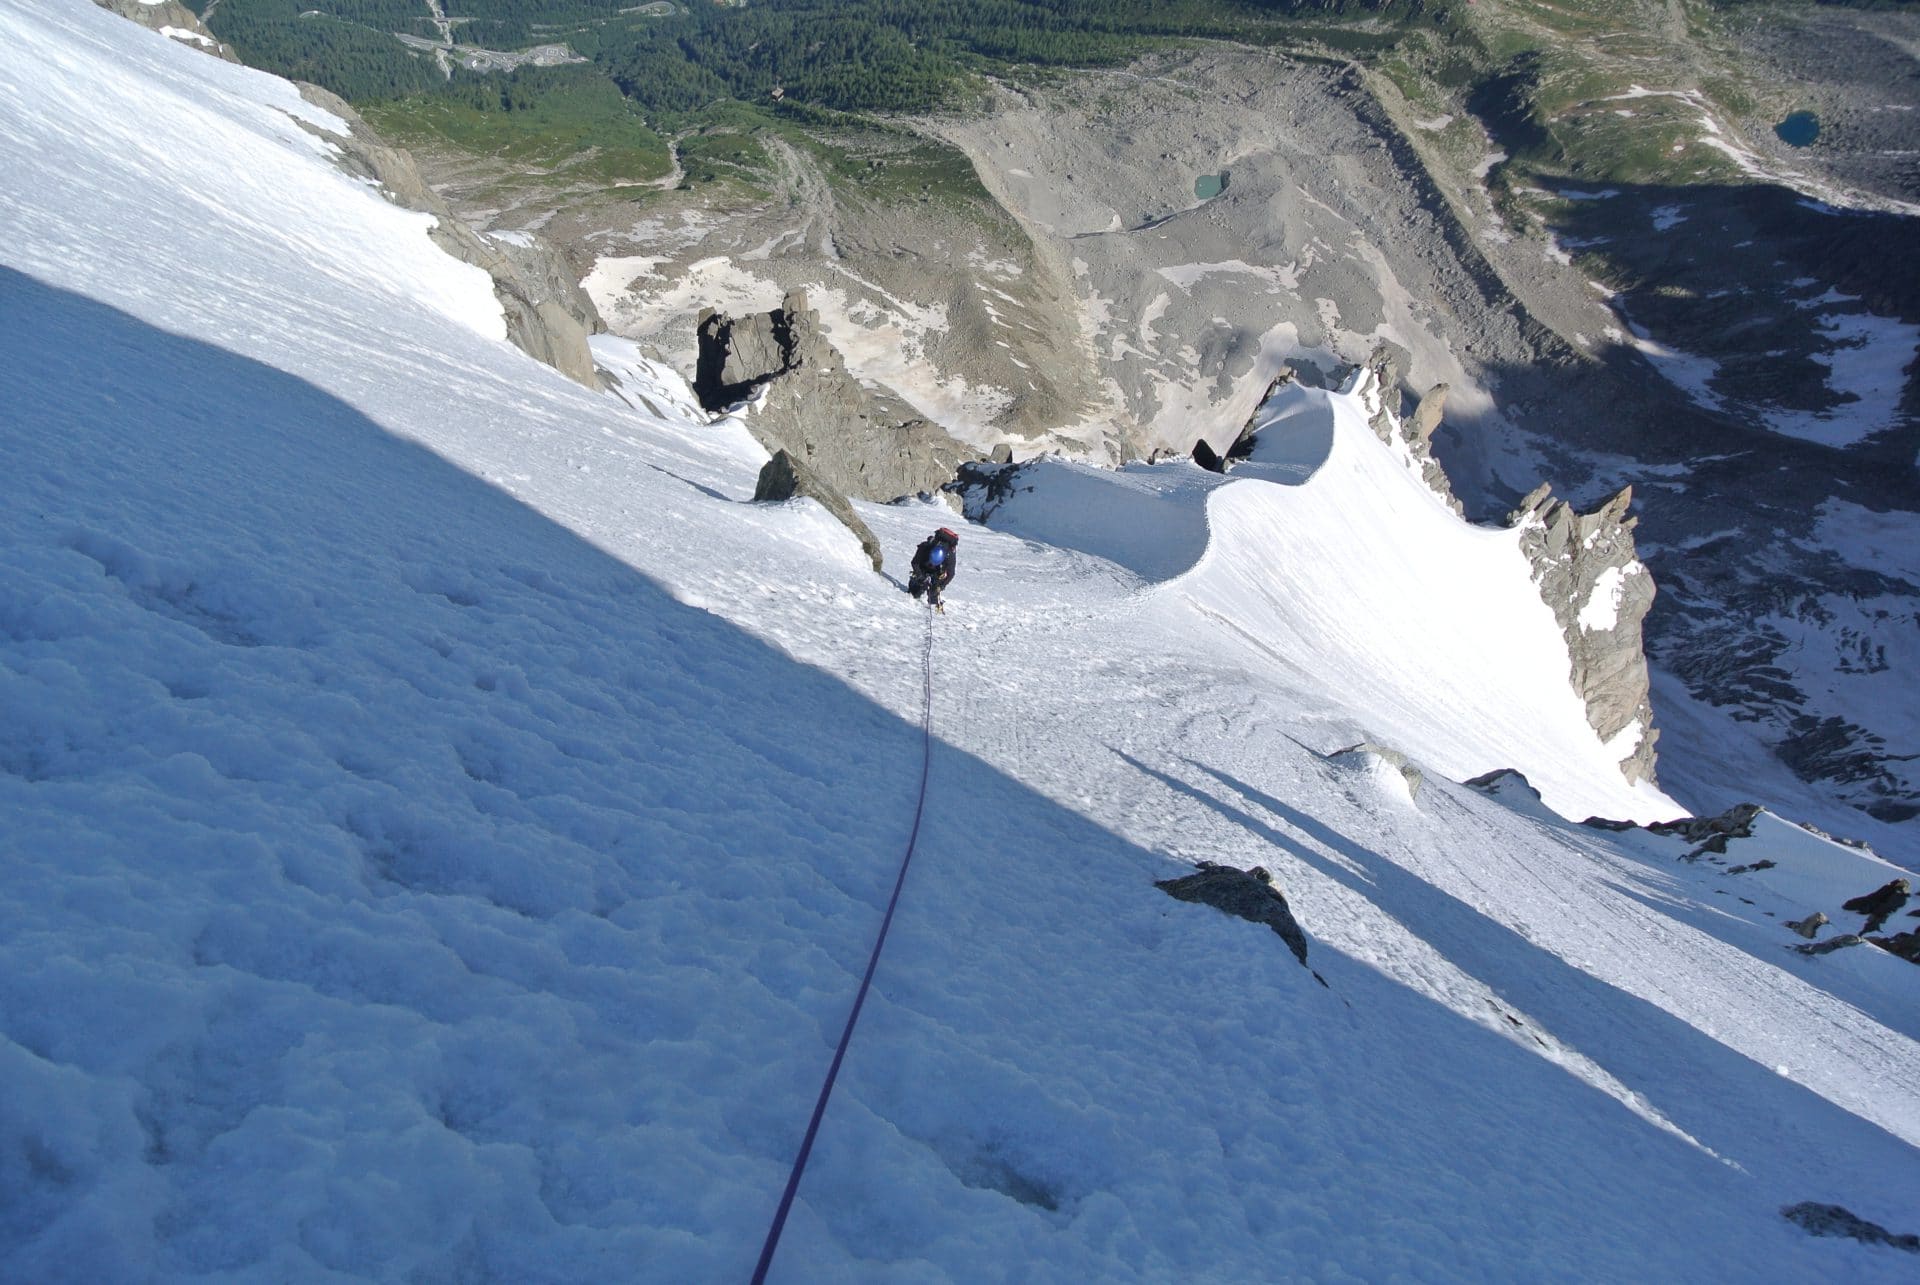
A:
[(866, 982)]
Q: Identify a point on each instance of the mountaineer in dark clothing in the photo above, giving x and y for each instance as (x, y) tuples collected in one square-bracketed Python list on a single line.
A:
[(934, 563)]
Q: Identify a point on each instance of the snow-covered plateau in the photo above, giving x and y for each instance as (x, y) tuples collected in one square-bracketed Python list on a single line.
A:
[(443, 823)]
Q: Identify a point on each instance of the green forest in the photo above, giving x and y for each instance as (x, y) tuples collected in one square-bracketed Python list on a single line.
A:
[(671, 60)]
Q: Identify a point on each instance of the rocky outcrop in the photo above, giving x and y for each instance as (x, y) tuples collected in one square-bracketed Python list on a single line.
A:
[(783, 478), (172, 19), (1427, 416), (1249, 894), (865, 443), (1880, 904), (1711, 834), (1590, 575), (983, 487), (1241, 447), (1905, 945), (1810, 926), (1831, 944), (1208, 458), (1213, 461), (547, 276), (547, 315), (1409, 436), (1837, 1220)]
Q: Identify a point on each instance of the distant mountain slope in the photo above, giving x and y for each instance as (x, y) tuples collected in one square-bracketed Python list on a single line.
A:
[(445, 824)]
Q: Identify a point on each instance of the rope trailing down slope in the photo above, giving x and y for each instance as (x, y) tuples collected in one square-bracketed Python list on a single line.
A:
[(873, 962)]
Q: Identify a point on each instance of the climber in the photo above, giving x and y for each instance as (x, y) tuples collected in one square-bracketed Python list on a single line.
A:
[(934, 563)]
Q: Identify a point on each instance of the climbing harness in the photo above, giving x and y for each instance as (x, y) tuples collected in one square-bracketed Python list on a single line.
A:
[(873, 962)]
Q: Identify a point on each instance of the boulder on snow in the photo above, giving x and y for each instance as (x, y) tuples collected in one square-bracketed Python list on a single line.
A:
[(1608, 823), (1880, 904), (865, 443), (1810, 926), (1588, 571), (1002, 454), (783, 477), (1836, 1220), (1832, 944), (1249, 894)]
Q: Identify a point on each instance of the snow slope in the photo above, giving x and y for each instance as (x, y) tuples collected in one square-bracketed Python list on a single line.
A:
[(1328, 559), (443, 827)]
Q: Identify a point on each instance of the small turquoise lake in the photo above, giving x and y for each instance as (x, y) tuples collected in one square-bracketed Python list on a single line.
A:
[(1208, 186), (1799, 129)]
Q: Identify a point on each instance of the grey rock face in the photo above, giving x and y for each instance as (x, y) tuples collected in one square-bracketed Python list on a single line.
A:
[(1588, 572), (1810, 926), (548, 322), (1249, 894), (1414, 433), (1427, 416), (783, 477), (865, 443), (1880, 904), (1837, 1220), (548, 276)]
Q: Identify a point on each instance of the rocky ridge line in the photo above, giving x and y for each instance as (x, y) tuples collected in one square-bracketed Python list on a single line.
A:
[(1410, 435), (1588, 572), (548, 316), (1586, 566), (171, 19)]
